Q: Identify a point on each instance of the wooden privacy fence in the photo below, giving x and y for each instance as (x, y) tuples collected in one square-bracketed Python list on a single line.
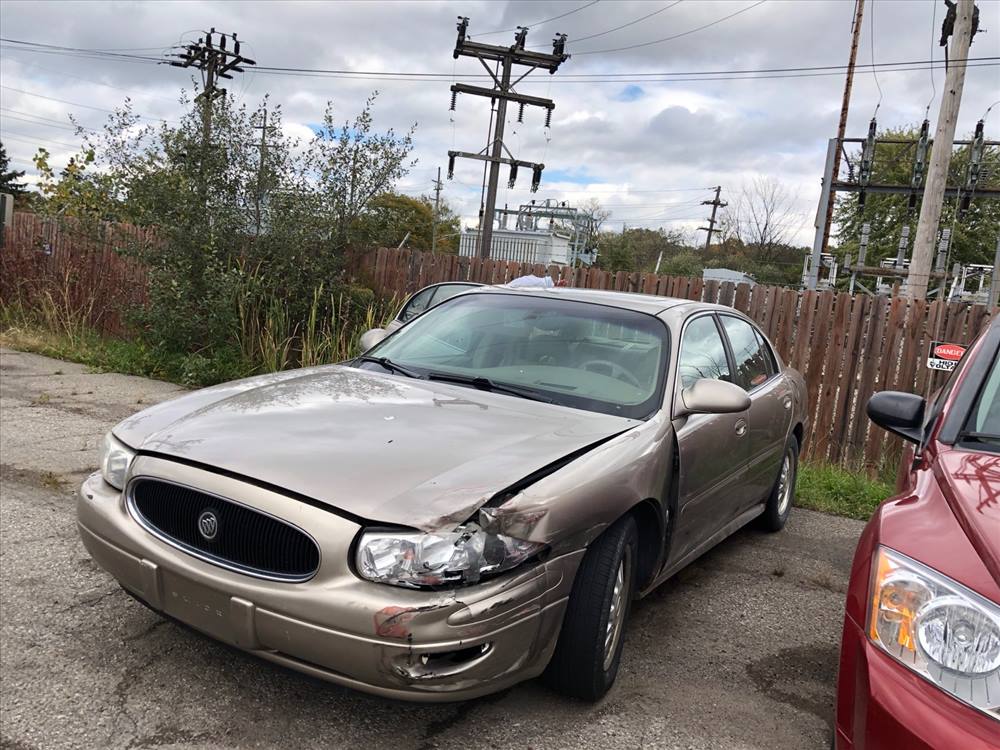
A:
[(80, 269), (847, 347)]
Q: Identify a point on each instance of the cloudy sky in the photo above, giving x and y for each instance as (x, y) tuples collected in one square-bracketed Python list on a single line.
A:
[(648, 148)]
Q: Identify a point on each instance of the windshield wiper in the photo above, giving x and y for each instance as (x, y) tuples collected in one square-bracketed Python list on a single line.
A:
[(485, 384), (388, 364)]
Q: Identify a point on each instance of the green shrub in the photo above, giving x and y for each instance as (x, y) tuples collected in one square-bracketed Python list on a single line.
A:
[(831, 489)]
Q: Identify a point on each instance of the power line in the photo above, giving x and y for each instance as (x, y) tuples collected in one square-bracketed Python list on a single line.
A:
[(675, 36), (539, 23), (42, 124), (589, 76), (85, 106), (650, 205), (52, 71), (34, 139), (64, 123), (933, 39), (648, 80), (104, 53), (626, 25), (637, 74), (871, 29)]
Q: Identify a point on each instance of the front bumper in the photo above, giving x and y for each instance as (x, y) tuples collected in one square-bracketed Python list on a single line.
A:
[(394, 642), (882, 705)]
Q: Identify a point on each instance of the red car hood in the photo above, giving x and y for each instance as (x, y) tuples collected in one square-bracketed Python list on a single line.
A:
[(970, 482)]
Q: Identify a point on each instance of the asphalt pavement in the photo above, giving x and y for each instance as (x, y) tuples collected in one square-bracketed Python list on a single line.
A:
[(737, 651)]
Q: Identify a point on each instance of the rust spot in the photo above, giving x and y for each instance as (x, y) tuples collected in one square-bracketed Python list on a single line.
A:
[(393, 622)]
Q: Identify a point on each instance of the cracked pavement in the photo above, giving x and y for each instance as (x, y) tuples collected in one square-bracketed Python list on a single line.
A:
[(737, 651)]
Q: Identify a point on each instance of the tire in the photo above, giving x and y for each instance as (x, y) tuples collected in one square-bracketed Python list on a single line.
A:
[(586, 658), (782, 497)]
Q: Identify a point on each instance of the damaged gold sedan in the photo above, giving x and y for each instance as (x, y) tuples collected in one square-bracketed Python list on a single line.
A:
[(473, 502)]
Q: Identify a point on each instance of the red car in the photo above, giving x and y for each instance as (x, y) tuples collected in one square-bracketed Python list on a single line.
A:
[(920, 655)]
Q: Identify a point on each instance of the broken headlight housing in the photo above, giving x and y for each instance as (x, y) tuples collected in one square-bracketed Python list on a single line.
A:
[(417, 559), (943, 631), (116, 457)]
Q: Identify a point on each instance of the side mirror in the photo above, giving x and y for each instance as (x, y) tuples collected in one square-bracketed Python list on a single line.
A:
[(708, 396), (899, 413), (372, 337)]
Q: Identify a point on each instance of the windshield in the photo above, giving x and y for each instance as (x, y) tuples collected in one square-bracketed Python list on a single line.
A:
[(577, 354), (983, 426)]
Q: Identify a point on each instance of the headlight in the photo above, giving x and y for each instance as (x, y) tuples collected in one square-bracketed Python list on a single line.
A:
[(115, 460), (416, 559), (938, 628)]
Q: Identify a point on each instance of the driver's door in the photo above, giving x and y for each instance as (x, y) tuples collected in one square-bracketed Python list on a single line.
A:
[(713, 449)]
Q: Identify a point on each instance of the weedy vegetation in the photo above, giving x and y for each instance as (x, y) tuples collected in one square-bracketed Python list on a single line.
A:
[(831, 489)]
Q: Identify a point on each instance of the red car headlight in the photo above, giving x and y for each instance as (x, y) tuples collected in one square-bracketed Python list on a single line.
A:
[(937, 627)]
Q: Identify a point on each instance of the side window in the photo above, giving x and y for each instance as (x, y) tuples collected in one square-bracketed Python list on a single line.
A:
[(748, 355), (447, 291), (702, 353), (765, 348), (417, 304)]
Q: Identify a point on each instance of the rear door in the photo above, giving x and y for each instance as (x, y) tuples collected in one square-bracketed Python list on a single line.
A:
[(756, 371), (713, 449)]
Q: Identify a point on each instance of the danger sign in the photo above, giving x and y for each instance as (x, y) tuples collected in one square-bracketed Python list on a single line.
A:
[(944, 356)]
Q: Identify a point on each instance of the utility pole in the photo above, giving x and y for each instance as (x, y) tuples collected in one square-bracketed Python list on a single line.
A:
[(214, 61), (503, 92), (716, 205), (944, 134), (859, 12), (437, 212)]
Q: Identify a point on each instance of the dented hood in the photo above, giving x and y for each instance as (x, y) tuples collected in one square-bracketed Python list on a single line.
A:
[(388, 449)]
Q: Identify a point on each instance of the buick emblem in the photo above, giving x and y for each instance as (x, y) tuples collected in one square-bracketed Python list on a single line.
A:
[(208, 525)]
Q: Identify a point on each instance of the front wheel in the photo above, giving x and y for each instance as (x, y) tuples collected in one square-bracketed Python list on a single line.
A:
[(779, 504), (586, 658)]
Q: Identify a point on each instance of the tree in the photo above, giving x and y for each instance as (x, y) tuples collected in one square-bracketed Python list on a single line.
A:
[(975, 233), (597, 213), (614, 253), (353, 165), (9, 177), (762, 217), (392, 218), (203, 200), (638, 249)]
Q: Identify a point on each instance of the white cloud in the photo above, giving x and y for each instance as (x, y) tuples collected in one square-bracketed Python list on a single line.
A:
[(675, 135)]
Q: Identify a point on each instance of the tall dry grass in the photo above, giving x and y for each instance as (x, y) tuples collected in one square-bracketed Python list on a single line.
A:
[(270, 338), (57, 307)]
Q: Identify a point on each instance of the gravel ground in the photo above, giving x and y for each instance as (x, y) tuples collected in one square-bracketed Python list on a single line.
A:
[(737, 651)]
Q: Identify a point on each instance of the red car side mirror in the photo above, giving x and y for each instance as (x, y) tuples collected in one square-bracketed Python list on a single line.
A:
[(899, 413)]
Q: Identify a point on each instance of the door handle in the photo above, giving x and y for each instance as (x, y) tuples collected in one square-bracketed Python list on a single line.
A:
[(741, 427), (788, 402)]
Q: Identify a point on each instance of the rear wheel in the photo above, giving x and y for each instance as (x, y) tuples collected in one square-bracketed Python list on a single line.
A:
[(586, 658), (779, 504)]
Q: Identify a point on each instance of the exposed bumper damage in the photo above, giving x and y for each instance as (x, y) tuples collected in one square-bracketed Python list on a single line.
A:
[(400, 643)]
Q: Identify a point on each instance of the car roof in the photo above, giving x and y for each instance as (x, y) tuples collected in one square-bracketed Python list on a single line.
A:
[(648, 303)]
